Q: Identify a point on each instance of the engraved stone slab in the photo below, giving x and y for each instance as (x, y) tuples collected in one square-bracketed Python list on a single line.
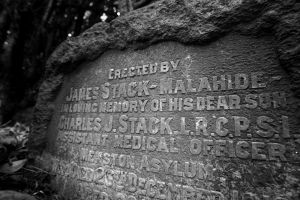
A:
[(175, 121)]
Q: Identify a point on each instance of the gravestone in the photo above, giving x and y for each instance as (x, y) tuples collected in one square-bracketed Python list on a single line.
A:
[(177, 100)]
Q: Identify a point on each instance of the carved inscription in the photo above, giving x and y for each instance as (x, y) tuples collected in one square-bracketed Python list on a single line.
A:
[(122, 124), (131, 185)]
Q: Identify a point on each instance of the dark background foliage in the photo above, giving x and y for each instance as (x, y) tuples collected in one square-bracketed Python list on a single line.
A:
[(29, 31)]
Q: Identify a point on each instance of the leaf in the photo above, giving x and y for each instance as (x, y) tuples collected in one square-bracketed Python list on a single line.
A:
[(4, 132), (8, 140), (24, 143), (7, 137), (9, 168), (21, 138)]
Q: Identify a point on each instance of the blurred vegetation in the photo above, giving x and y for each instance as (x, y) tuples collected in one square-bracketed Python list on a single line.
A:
[(16, 173), (29, 31)]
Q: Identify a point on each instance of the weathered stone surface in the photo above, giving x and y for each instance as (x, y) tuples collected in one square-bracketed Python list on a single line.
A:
[(226, 139), (13, 195), (193, 22), (253, 41)]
